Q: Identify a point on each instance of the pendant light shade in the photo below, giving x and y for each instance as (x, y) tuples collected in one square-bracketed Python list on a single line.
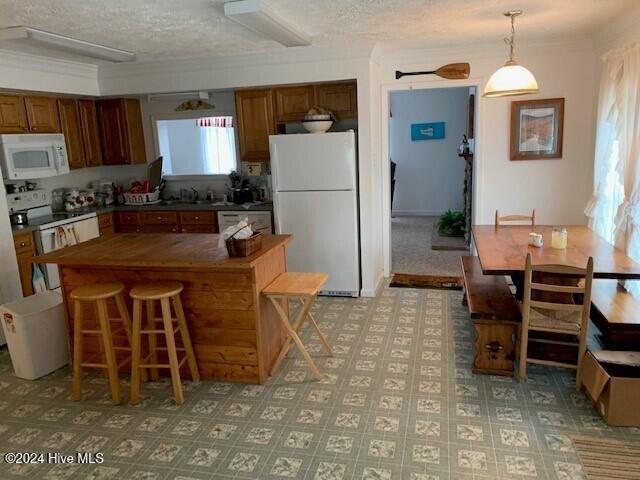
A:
[(511, 79)]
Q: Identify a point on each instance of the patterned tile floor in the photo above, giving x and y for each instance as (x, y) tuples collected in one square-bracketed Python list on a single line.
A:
[(399, 402)]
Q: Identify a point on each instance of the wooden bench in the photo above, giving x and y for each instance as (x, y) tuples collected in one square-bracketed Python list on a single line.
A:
[(495, 316), (616, 313)]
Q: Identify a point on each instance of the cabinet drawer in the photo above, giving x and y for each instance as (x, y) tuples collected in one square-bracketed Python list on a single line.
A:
[(128, 218), (202, 228), (130, 229), (166, 228), (24, 244), (159, 218), (197, 218)]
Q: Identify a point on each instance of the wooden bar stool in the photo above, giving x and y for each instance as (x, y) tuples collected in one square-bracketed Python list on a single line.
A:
[(99, 294), (165, 292), (303, 287)]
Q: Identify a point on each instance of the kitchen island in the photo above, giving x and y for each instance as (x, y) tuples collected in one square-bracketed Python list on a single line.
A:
[(236, 333)]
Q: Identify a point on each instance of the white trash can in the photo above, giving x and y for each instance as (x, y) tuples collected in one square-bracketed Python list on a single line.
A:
[(36, 334)]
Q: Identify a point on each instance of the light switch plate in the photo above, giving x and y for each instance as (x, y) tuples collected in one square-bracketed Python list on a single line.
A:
[(254, 169)]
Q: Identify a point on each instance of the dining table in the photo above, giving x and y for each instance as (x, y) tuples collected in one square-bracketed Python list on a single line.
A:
[(503, 250)]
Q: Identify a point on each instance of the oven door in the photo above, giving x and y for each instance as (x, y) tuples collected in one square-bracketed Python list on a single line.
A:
[(81, 231)]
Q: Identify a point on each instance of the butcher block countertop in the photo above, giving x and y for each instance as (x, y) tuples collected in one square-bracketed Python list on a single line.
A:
[(165, 250)]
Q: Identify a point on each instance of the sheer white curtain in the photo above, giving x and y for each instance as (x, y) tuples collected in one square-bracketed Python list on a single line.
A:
[(218, 144), (614, 209)]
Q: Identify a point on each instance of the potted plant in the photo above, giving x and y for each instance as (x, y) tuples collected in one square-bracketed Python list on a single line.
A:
[(451, 224)]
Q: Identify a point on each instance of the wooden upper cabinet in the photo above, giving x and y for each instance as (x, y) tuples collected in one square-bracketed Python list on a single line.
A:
[(340, 98), (121, 131), (90, 133), (135, 131), (42, 114), (70, 123), (13, 115), (254, 109), (292, 103)]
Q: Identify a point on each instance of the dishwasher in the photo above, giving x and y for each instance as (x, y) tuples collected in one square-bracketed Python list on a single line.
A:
[(261, 220)]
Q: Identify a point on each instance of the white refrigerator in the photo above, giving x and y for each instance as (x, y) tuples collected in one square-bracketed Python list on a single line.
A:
[(315, 198)]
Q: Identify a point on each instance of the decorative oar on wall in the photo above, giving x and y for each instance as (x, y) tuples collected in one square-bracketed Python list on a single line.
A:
[(452, 71)]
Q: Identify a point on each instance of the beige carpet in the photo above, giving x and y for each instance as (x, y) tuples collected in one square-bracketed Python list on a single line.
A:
[(411, 249), (604, 459)]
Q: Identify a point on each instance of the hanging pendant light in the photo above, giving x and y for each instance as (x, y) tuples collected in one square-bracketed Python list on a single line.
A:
[(511, 79)]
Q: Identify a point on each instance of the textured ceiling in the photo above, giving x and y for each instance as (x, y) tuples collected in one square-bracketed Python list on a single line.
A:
[(190, 28)]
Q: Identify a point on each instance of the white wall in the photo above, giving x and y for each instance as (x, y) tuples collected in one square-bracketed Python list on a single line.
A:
[(559, 189), (120, 174), (429, 173), (19, 71)]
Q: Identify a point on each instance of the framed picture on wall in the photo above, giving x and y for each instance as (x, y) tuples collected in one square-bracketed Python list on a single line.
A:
[(536, 129)]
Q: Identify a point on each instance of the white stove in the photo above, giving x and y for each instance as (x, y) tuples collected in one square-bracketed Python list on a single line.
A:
[(53, 230)]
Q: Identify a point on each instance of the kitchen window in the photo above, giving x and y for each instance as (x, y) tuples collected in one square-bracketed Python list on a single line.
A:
[(197, 146)]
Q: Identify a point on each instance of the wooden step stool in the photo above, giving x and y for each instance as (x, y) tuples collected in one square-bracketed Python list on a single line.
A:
[(99, 294), (303, 287), (166, 292)]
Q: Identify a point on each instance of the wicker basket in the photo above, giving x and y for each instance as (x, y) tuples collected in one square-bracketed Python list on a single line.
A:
[(243, 247), (142, 198)]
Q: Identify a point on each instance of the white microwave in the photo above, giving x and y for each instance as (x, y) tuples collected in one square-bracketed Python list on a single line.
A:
[(34, 155)]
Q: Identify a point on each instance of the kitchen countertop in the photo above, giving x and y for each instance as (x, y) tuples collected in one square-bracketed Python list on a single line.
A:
[(158, 250), (164, 206)]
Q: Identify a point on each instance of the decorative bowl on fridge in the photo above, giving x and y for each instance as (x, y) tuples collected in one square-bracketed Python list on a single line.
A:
[(317, 126)]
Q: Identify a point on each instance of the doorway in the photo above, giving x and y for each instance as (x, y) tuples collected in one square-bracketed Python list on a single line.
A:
[(430, 184)]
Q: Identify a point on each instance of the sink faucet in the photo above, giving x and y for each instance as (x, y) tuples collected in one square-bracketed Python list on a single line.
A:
[(195, 194)]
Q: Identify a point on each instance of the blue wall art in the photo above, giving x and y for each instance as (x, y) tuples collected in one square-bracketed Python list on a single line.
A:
[(427, 131)]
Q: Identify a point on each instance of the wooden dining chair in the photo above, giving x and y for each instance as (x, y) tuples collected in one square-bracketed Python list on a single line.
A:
[(564, 310), (516, 218)]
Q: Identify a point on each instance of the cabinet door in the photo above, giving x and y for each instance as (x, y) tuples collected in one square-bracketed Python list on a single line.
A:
[(70, 123), (42, 114), (90, 133), (135, 132), (254, 109), (292, 103), (169, 228), (105, 223), (204, 228), (25, 249), (13, 116), (113, 131), (340, 98)]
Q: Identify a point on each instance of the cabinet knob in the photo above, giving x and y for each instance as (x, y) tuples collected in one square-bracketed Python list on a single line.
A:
[(197, 218), (159, 218)]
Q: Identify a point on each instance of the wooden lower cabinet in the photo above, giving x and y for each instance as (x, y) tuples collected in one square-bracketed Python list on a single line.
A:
[(106, 224), (167, 228), (160, 221), (25, 249)]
